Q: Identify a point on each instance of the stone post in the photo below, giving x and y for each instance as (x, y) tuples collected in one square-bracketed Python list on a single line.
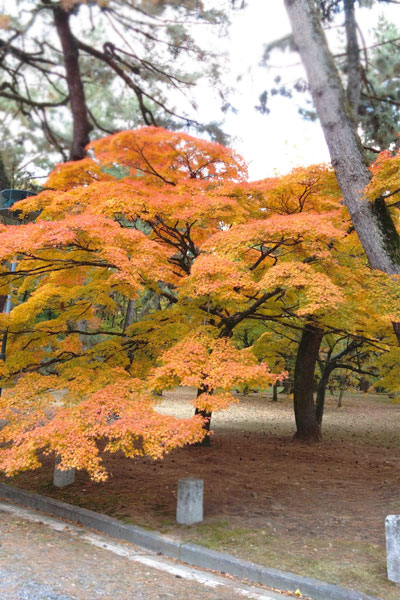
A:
[(62, 478), (393, 547), (190, 501)]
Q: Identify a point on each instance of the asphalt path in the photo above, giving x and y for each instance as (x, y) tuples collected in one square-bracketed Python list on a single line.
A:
[(43, 558)]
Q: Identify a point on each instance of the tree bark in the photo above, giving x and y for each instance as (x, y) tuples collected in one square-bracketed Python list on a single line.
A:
[(130, 314), (81, 124), (206, 441), (308, 429), (275, 392), (4, 180), (372, 221), (206, 415), (321, 392), (287, 387), (353, 59), (207, 424)]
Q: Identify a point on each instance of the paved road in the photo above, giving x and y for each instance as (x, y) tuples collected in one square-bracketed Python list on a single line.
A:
[(42, 558)]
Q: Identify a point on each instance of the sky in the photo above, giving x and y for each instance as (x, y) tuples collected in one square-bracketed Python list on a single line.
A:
[(281, 140), (277, 142)]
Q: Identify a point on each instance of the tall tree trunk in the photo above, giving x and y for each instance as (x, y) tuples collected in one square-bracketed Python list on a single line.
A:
[(275, 392), (4, 180), (130, 314), (372, 221), (81, 124), (321, 392), (353, 59), (307, 426)]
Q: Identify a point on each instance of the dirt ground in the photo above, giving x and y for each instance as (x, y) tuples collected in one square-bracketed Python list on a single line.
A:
[(315, 510)]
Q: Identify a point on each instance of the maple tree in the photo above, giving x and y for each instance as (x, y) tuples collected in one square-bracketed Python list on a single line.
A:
[(154, 214), (72, 263)]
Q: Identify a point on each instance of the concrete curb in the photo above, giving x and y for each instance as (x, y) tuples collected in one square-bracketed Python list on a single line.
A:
[(189, 553)]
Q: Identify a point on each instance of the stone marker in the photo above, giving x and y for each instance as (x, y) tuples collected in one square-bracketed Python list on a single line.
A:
[(190, 501), (62, 478), (393, 547)]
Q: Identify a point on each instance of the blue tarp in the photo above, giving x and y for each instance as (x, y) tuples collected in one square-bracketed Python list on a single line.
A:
[(8, 197)]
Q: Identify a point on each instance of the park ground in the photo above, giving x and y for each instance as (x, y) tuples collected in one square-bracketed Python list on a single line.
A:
[(43, 558), (316, 510)]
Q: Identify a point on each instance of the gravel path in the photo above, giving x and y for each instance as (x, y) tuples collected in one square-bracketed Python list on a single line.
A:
[(48, 559)]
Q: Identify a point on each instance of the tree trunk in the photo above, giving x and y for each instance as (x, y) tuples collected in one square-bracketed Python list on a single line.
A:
[(4, 180), (156, 302), (130, 314), (321, 391), (81, 125), (307, 426), (353, 59), (275, 392), (287, 387), (206, 441), (364, 385), (372, 221)]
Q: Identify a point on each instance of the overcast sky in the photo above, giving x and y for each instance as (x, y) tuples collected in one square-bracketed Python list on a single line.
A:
[(281, 140), (277, 142)]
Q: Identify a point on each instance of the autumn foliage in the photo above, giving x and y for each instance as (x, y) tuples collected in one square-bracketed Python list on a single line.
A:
[(162, 217)]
